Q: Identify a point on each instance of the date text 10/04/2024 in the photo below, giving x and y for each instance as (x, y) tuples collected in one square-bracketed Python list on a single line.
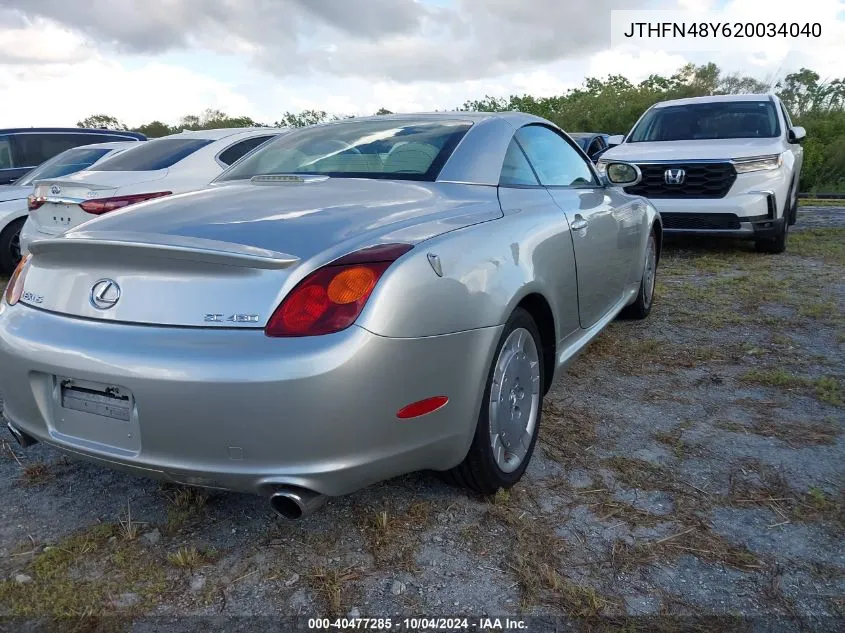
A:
[(418, 624)]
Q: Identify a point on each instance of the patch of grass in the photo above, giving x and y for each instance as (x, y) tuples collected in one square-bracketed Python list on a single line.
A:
[(827, 244), (829, 390), (757, 484), (81, 575), (567, 431), (331, 585), (796, 434), (637, 473), (184, 506), (36, 474), (533, 555), (392, 536), (674, 440), (826, 389), (819, 202)]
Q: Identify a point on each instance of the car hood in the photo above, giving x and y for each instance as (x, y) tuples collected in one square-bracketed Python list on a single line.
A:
[(14, 192), (722, 149)]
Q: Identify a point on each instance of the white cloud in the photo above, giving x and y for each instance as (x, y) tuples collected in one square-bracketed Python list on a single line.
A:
[(62, 94)]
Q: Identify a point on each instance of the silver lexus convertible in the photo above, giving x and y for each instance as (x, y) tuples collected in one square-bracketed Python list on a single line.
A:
[(350, 302)]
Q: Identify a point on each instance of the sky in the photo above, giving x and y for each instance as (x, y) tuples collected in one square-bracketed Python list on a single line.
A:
[(144, 60)]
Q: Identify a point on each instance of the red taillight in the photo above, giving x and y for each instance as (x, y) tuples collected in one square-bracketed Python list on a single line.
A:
[(34, 202), (14, 289), (331, 298), (423, 407), (98, 207)]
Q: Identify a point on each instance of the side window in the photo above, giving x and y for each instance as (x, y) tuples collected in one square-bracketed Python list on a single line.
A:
[(555, 161), (595, 146), (237, 151), (516, 171), (5, 153), (36, 148)]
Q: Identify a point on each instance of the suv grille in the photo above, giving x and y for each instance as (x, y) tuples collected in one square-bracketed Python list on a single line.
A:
[(700, 221), (702, 180)]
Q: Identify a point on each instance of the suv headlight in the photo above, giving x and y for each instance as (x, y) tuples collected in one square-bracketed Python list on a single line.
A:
[(758, 163)]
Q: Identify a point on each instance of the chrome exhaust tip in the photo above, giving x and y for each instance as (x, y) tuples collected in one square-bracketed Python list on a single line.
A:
[(296, 503)]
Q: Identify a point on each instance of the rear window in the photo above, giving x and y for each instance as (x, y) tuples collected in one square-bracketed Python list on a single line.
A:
[(68, 162), (715, 120), (155, 154), (396, 149)]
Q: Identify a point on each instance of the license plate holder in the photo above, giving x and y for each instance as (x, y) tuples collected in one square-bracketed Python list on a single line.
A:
[(106, 401), (91, 413)]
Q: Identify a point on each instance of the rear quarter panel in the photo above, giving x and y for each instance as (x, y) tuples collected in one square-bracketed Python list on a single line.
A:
[(488, 268)]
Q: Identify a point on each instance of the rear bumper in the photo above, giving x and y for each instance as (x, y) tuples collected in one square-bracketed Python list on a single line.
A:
[(236, 410)]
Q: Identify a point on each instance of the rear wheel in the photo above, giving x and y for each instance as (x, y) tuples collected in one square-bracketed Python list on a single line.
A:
[(645, 296), (509, 420), (10, 246)]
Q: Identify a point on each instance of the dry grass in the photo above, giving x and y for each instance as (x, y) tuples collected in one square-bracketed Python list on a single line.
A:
[(332, 587), (567, 431), (36, 474), (754, 483), (695, 539), (795, 434), (184, 506), (392, 535)]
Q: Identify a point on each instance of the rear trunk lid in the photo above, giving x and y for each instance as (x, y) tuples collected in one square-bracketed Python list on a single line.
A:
[(226, 256), (62, 198)]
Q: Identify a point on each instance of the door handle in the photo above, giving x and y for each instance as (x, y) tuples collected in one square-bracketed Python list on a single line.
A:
[(579, 223)]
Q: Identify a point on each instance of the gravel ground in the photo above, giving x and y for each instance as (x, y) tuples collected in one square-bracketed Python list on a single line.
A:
[(689, 465)]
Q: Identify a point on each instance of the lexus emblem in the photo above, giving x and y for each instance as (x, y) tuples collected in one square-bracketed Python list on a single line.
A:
[(55, 190), (674, 176), (105, 294)]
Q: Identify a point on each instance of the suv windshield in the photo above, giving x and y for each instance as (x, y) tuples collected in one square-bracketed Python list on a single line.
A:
[(715, 120), (156, 154), (68, 162), (396, 149)]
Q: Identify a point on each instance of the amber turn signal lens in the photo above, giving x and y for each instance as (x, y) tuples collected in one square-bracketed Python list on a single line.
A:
[(14, 289), (351, 285)]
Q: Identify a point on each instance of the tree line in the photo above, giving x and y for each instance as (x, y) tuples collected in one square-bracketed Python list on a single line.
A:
[(612, 105)]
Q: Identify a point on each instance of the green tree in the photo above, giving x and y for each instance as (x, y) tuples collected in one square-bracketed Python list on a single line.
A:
[(301, 119), (101, 121), (154, 129)]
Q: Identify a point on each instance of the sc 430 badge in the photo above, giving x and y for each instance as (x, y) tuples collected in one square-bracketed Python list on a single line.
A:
[(232, 318)]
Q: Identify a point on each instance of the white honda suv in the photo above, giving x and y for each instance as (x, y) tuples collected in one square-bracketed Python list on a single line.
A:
[(720, 165)]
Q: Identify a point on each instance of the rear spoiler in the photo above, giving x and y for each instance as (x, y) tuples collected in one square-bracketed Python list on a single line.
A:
[(169, 246)]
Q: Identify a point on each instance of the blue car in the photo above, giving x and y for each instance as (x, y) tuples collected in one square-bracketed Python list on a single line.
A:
[(23, 149)]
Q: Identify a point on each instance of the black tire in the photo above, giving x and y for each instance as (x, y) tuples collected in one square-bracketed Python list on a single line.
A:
[(793, 206), (479, 471), (10, 246), (641, 308), (774, 245)]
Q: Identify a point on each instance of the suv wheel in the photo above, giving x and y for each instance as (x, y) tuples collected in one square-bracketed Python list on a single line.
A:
[(775, 244)]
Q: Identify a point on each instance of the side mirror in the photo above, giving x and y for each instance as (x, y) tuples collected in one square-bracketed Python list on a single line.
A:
[(796, 135), (622, 174), (613, 141)]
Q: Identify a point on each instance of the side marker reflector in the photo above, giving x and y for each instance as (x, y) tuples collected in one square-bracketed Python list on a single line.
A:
[(423, 407)]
